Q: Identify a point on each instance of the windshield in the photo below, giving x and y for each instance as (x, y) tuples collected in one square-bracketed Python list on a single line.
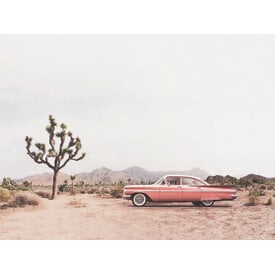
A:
[(160, 181)]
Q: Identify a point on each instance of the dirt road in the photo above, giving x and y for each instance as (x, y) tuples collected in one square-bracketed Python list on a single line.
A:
[(88, 217)]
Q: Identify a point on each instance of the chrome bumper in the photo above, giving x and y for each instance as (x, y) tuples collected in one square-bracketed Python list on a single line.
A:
[(233, 197), (126, 197)]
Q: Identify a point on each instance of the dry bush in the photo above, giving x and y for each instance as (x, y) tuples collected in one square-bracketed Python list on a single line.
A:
[(269, 201), (22, 188), (44, 194), (63, 187), (23, 199), (253, 199), (117, 191), (255, 191), (270, 187), (92, 189), (77, 204), (102, 191), (4, 194)]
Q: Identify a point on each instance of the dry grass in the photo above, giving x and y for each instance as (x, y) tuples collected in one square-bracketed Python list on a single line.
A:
[(77, 204), (116, 191), (253, 200), (22, 199), (269, 201), (4, 194), (44, 194)]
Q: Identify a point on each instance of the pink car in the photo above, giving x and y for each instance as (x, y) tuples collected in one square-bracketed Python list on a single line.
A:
[(179, 188)]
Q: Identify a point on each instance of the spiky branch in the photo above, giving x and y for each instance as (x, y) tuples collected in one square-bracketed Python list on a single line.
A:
[(59, 153)]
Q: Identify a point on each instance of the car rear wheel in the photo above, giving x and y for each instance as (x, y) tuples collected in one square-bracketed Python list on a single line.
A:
[(196, 203), (139, 199), (207, 203)]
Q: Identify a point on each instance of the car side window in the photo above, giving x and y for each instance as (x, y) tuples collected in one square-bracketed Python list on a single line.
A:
[(185, 181), (173, 181), (190, 182)]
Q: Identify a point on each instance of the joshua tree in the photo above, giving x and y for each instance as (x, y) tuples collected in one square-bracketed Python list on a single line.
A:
[(9, 184), (72, 179), (59, 153)]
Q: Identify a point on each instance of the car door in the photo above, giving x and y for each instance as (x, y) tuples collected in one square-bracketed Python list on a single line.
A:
[(191, 190), (171, 190)]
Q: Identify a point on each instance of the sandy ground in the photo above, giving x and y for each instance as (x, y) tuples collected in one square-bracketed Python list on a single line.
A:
[(87, 217)]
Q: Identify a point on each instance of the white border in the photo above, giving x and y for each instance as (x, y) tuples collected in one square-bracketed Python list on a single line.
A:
[(135, 257), (143, 16)]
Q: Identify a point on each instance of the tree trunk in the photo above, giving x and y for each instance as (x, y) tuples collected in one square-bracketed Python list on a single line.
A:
[(54, 184), (72, 187)]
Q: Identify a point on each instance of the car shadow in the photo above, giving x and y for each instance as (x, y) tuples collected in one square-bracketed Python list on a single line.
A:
[(161, 205)]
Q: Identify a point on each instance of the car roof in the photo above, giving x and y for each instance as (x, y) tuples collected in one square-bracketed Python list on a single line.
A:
[(187, 176)]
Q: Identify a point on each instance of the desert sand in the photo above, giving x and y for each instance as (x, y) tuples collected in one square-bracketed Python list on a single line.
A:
[(88, 217)]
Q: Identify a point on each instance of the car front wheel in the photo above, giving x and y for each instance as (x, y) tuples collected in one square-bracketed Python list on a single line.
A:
[(139, 200), (207, 203)]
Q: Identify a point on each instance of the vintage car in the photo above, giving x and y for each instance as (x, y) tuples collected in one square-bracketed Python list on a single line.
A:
[(179, 188)]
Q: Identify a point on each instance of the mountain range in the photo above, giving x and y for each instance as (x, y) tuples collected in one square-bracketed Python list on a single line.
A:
[(108, 176)]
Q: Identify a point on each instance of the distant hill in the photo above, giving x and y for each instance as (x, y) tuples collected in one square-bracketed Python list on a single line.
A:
[(106, 175), (43, 179), (135, 174)]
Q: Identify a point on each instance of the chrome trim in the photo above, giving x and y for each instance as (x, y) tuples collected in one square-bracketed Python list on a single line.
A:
[(211, 191), (170, 191), (177, 190), (140, 190)]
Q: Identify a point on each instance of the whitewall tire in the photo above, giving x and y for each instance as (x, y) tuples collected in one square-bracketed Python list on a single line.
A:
[(207, 203), (139, 200)]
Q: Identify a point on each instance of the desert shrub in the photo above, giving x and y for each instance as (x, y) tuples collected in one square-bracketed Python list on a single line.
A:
[(62, 187), (269, 201), (4, 194), (217, 179), (253, 191), (101, 191), (90, 191), (116, 191), (262, 187), (23, 199), (22, 188), (238, 187), (44, 194), (80, 183), (27, 184), (9, 184), (256, 191), (252, 179), (253, 199)]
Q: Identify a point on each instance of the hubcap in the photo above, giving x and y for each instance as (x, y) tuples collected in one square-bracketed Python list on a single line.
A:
[(139, 199), (207, 203)]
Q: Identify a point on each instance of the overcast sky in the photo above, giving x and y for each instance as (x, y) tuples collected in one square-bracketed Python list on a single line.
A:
[(169, 102)]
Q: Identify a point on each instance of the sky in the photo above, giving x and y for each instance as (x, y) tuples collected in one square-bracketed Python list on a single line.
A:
[(161, 102)]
